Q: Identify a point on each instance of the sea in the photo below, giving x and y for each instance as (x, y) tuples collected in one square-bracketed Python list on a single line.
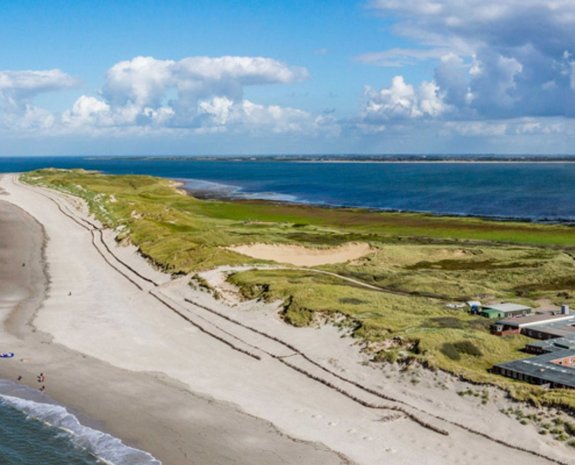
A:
[(535, 191), (36, 431)]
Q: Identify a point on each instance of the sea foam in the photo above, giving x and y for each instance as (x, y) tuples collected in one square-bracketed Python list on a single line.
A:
[(105, 447)]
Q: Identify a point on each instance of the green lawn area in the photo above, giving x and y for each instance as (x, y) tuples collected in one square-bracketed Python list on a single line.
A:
[(418, 255)]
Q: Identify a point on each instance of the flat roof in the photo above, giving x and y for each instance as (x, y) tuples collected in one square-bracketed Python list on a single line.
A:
[(541, 367), (555, 344), (560, 327), (537, 319), (506, 307)]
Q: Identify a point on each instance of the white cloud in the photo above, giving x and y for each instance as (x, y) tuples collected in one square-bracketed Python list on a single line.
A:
[(401, 101), (17, 91), (219, 108), (141, 81), (400, 57), (245, 70), (201, 94), (457, 13), (475, 128), (144, 95), (502, 53), (26, 84), (27, 118), (87, 110), (144, 81), (250, 116), (510, 127), (430, 101)]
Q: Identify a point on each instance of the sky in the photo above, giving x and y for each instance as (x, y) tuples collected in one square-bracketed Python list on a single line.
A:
[(215, 77)]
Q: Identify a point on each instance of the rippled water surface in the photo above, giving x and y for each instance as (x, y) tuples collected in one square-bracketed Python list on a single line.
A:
[(36, 431), (536, 191)]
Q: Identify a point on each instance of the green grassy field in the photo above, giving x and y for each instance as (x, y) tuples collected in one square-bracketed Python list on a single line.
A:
[(419, 261)]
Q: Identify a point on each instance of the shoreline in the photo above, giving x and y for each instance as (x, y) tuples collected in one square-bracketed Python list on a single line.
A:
[(446, 161), (122, 346), (83, 435), (123, 409), (344, 158), (207, 189), (206, 194)]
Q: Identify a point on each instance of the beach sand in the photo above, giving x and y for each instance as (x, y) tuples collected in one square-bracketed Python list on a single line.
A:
[(303, 256), (147, 410), (172, 371)]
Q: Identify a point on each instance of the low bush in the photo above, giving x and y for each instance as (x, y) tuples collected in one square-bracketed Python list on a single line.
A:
[(450, 351), (453, 350), (468, 347)]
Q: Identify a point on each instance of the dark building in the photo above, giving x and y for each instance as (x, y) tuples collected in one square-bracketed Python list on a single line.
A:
[(555, 364)]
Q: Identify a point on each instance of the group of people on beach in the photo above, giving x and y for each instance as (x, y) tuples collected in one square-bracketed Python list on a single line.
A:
[(40, 378)]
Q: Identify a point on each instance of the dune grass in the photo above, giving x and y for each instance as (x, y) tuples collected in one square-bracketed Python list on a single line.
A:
[(421, 329), (414, 257)]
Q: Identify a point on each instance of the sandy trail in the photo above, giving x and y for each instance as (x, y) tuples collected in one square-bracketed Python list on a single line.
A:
[(161, 337), (304, 256)]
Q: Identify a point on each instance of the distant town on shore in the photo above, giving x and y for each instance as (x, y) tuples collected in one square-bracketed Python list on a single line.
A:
[(380, 158)]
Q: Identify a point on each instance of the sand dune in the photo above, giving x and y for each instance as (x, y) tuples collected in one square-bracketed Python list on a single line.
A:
[(175, 372), (304, 256)]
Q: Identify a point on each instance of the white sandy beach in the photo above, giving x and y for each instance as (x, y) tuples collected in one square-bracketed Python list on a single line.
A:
[(177, 373)]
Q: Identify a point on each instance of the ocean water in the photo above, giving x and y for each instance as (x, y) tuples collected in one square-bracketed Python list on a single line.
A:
[(533, 191), (26, 441), (36, 431)]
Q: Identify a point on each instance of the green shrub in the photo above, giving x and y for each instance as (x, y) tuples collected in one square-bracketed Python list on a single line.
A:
[(296, 315), (447, 322), (450, 351), (352, 301), (468, 347), (569, 428), (453, 350)]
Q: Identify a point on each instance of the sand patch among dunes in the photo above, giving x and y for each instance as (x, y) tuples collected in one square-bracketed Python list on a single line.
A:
[(304, 256)]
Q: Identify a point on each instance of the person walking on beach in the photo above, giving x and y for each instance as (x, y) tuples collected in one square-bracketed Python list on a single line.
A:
[(41, 378)]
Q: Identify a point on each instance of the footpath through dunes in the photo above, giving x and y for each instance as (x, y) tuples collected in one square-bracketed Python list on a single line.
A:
[(249, 358)]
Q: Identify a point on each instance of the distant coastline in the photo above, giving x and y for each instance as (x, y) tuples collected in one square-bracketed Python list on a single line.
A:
[(356, 158), (534, 189)]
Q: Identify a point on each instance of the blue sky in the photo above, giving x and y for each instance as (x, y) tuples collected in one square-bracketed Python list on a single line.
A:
[(278, 76)]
